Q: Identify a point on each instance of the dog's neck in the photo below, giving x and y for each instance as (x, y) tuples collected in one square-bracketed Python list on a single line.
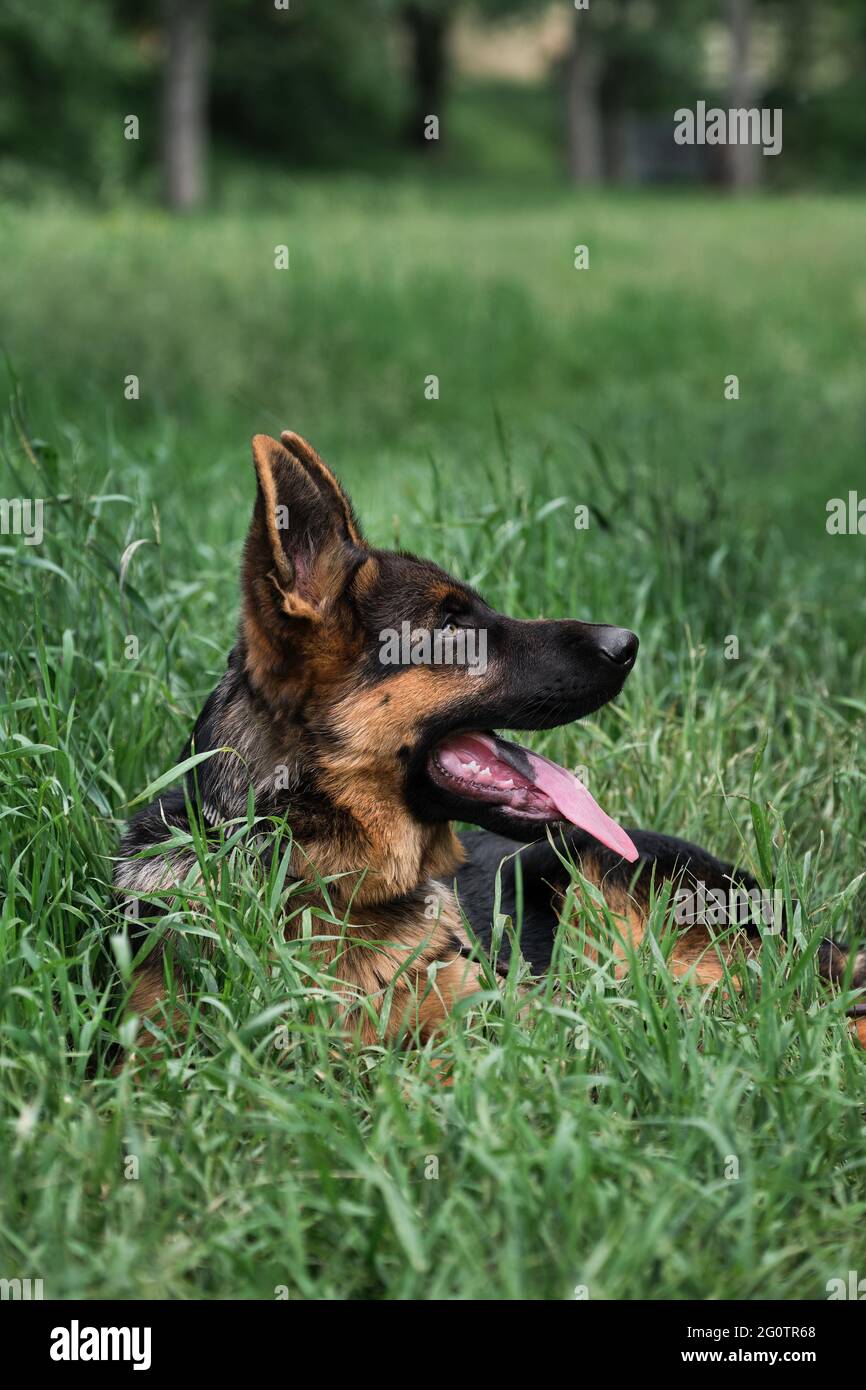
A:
[(344, 825)]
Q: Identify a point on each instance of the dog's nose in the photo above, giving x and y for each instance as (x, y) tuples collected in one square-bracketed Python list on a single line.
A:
[(618, 645)]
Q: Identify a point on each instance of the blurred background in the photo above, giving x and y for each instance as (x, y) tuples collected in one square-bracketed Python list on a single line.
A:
[(521, 88), (220, 217), (153, 153)]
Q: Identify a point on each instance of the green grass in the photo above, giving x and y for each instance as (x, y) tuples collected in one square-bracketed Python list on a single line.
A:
[(584, 1140)]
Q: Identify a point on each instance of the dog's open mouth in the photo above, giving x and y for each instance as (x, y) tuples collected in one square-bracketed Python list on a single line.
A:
[(483, 767)]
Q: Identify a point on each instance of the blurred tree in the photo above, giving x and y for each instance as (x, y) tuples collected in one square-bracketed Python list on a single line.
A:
[(743, 163), (65, 84), (184, 117), (321, 85), (627, 56), (808, 39), (819, 81), (313, 85), (427, 24), (585, 66)]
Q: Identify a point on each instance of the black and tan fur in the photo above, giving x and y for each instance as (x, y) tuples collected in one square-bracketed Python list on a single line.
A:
[(338, 745)]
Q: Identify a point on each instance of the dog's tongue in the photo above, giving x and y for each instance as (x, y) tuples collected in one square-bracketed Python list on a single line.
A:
[(567, 792)]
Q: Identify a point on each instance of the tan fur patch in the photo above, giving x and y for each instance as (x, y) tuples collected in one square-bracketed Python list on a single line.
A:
[(405, 963), (266, 454), (366, 577), (363, 775), (371, 731), (148, 1001), (698, 952)]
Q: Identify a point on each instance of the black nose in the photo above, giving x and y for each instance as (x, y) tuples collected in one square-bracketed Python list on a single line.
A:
[(618, 645)]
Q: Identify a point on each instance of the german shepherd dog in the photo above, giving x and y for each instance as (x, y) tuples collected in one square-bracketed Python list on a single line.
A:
[(379, 757)]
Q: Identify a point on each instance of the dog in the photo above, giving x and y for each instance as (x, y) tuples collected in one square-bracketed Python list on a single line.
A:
[(370, 761)]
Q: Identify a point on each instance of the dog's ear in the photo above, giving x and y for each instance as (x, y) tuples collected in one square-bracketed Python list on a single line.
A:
[(303, 542), (329, 486)]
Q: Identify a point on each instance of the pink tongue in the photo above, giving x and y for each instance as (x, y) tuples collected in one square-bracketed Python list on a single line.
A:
[(574, 803)]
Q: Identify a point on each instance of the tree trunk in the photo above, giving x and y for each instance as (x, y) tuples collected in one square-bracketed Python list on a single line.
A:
[(743, 163), (585, 148), (184, 131), (427, 37)]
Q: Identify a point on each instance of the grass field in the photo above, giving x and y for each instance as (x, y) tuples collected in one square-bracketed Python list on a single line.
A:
[(590, 1140)]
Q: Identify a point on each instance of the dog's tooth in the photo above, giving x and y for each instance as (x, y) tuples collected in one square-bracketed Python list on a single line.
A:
[(485, 775), (471, 767), (509, 784)]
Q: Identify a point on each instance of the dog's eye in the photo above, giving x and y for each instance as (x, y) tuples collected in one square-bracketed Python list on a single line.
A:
[(450, 626)]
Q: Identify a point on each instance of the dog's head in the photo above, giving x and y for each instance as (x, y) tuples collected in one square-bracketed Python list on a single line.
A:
[(400, 673)]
